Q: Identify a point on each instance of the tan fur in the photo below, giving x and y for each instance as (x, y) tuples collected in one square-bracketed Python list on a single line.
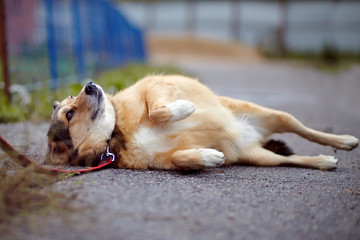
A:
[(156, 126)]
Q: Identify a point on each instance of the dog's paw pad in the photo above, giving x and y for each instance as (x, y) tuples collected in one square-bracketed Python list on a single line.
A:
[(328, 162), (212, 157), (181, 109)]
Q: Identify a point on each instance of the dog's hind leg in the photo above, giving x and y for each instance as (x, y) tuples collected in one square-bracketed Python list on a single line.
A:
[(273, 121), (197, 158), (262, 157), (280, 122)]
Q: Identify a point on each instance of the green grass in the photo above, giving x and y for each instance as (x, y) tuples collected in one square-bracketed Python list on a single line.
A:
[(10, 112), (40, 107)]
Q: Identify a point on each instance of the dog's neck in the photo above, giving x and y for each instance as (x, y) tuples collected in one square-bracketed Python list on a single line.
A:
[(105, 125), (117, 141)]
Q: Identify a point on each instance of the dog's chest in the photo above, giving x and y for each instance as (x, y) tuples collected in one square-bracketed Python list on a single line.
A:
[(159, 139)]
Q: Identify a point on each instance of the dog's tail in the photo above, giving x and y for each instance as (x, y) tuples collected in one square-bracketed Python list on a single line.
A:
[(278, 147)]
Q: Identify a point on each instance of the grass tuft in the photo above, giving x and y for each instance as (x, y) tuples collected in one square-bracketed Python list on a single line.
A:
[(24, 194)]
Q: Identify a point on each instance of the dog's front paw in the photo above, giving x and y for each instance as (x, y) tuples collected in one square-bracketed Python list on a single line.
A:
[(181, 109), (211, 157)]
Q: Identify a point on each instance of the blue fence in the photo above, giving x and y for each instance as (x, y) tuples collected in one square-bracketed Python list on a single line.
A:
[(67, 40)]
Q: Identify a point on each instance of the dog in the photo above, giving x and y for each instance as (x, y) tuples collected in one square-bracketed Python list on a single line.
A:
[(174, 122)]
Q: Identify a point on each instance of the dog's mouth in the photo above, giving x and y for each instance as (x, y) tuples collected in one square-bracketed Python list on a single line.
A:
[(96, 98)]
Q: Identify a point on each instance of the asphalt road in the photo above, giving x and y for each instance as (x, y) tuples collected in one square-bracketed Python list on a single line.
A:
[(238, 202)]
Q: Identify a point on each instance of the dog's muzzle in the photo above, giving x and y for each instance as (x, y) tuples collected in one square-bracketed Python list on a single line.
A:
[(95, 98), (90, 88)]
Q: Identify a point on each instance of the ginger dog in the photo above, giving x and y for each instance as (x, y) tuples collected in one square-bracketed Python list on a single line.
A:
[(175, 123)]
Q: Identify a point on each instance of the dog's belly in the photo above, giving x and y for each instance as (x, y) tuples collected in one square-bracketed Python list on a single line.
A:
[(227, 134), (161, 138)]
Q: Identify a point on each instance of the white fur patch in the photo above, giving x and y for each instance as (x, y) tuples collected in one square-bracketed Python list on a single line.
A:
[(181, 109), (156, 139), (247, 131), (351, 141), (328, 162), (211, 157), (105, 124), (153, 140)]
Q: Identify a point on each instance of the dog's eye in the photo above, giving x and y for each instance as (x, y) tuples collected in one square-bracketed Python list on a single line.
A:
[(69, 115)]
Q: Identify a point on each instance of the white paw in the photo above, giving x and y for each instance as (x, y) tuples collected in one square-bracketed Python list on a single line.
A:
[(351, 142), (327, 162), (346, 142), (180, 109), (212, 157)]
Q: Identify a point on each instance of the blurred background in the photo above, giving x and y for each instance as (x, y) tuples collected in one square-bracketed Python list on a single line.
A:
[(292, 25), (47, 45)]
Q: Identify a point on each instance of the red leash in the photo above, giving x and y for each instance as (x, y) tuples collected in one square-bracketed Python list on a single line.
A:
[(21, 159), (105, 159)]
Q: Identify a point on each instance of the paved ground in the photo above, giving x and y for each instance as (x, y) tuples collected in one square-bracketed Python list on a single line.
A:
[(237, 202)]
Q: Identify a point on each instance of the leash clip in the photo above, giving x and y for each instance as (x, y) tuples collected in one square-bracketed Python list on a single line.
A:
[(106, 157)]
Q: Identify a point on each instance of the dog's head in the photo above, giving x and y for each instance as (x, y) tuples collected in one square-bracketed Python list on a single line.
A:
[(80, 128)]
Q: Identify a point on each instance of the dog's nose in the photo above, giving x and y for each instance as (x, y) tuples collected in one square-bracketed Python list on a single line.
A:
[(89, 87)]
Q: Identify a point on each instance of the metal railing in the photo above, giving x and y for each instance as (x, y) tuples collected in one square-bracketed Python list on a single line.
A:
[(50, 43)]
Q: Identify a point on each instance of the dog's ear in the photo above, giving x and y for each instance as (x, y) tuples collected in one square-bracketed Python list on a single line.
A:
[(55, 105)]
